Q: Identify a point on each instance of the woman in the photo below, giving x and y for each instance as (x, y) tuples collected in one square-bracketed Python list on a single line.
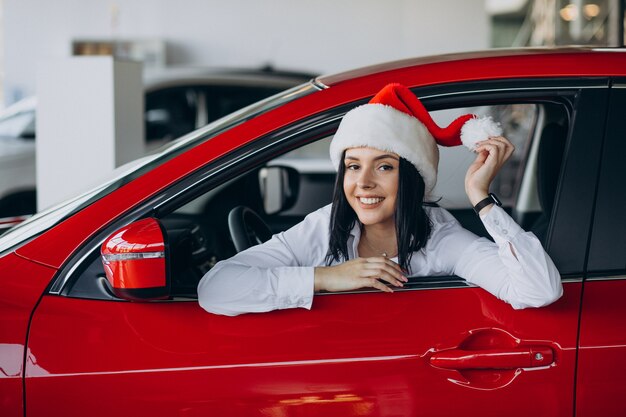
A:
[(377, 230)]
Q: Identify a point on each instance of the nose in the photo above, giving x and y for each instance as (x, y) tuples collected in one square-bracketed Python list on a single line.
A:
[(365, 179)]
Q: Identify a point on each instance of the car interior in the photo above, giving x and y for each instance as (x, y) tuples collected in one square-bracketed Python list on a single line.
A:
[(249, 208)]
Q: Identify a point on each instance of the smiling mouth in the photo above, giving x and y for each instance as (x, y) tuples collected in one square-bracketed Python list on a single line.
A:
[(369, 200)]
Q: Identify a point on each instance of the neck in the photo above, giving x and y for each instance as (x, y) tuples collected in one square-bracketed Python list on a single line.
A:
[(381, 237)]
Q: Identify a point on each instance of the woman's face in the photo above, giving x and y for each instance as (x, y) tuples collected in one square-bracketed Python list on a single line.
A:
[(371, 184)]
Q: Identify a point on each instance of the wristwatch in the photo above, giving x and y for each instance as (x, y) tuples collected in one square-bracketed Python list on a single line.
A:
[(490, 199)]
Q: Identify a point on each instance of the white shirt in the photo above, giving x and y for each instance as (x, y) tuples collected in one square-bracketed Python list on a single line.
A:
[(279, 273)]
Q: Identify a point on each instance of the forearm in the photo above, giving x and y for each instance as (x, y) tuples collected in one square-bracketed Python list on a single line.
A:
[(232, 288), (516, 269)]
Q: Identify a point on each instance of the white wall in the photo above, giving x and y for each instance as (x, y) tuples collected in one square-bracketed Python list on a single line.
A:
[(320, 36), (74, 153)]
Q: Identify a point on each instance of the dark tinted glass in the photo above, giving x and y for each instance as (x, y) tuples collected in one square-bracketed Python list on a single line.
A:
[(171, 113), (227, 99)]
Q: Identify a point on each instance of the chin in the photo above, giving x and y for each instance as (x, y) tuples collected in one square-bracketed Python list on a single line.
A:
[(369, 219)]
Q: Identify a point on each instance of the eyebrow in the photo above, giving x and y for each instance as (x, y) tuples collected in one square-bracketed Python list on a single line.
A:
[(354, 158)]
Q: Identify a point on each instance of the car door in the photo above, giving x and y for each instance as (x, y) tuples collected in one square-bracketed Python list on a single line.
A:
[(600, 387), (436, 347)]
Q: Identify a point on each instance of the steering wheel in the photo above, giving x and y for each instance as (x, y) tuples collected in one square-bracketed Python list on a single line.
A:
[(247, 229)]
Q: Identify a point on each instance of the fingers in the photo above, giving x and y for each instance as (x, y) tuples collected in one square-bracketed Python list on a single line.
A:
[(389, 265), (374, 283), (384, 275), (509, 148), (385, 269), (498, 146), (375, 272), (384, 260), (491, 156)]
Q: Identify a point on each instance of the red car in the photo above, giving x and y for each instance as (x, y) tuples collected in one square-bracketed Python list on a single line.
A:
[(74, 342)]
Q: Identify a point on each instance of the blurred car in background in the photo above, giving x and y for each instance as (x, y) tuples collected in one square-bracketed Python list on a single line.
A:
[(177, 101)]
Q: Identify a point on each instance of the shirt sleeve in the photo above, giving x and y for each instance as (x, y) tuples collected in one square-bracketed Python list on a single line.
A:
[(277, 274), (515, 268)]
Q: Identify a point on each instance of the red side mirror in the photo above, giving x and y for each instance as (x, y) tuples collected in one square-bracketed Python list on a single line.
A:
[(134, 261)]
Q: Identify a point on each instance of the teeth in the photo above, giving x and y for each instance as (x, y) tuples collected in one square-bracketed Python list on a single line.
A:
[(370, 200)]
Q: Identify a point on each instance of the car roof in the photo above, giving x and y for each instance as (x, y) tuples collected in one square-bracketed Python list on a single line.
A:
[(565, 61), (262, 77)]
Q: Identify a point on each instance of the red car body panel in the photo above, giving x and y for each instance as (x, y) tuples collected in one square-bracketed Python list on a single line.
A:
[(352, 354), (91, 357), (21, 285), (489, 65), (602, 350)]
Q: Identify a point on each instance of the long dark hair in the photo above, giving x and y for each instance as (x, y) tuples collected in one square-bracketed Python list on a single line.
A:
[(413, 226)]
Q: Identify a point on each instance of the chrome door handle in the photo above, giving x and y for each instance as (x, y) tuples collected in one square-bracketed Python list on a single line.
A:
[(522, 357)]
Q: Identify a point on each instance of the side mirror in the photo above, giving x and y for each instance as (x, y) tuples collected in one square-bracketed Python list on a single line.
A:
[(134, 259), (279, 188)]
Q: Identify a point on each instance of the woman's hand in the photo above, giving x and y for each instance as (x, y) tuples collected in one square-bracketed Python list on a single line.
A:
[(492, 154), (359, 273)]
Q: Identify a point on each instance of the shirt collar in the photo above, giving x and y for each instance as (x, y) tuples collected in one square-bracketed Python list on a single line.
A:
[(353, 240)]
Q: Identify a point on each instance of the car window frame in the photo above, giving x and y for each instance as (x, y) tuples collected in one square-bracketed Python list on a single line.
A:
[(607, 252), (569, 209), (317, 126)]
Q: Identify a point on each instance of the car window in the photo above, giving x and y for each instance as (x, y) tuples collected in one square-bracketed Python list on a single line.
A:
[(607, 255), (208, 214), (201, 227), (171, 113), (175, 111), (223, 100), (518, 122)]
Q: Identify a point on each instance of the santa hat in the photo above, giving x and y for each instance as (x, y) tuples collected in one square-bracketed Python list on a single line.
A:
[(396, 121)]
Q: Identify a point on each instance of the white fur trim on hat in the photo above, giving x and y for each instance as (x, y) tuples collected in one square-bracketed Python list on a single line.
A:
[(478, 129), (387, 129)]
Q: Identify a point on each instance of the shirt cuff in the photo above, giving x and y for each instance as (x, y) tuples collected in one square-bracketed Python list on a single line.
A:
[(500, 225), (295, 289)]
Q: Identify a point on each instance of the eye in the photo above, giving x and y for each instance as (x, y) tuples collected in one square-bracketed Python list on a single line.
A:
[(352, 167), (385, 167)]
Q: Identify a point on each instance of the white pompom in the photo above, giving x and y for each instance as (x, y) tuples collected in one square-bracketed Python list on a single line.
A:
[(478, 129)]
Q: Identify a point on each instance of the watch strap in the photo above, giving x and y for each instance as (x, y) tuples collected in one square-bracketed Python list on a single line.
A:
[(490, 199)]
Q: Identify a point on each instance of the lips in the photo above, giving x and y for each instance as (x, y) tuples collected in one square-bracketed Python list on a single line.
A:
[(370, 200)]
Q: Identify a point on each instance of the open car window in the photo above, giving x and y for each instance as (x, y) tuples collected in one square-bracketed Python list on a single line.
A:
[(198, 230)]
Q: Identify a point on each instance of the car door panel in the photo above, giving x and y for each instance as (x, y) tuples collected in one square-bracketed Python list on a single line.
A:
[(352, 354), (602, 349)]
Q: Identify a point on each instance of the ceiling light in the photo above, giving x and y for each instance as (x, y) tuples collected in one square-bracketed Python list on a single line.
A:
[(591, 10), (569, 12)]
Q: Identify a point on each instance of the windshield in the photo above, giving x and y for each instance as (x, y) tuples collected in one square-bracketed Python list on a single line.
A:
[(41, 222)]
